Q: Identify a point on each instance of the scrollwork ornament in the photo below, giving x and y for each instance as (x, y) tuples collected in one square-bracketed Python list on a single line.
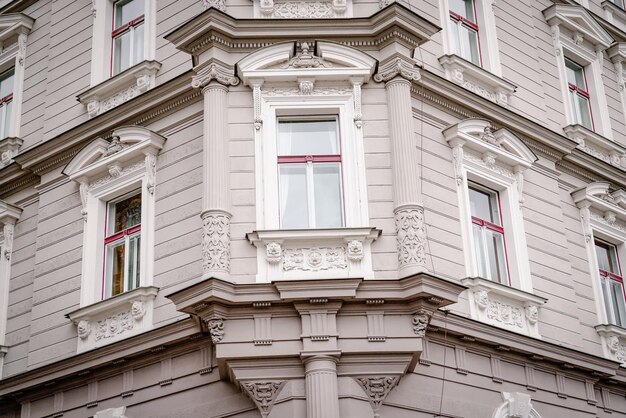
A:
[(8, 240), (216, 329), (377, 388), (585, 217), (218, 4), (358, 115), (21, 44), (397, 68), (306, 59), (150, 172), (263, 394), (420, 322), (219, 74), (411, 236), (215, 241), (457, 159)]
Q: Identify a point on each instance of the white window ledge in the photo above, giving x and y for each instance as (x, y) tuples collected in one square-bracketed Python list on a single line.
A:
[(614, 342), (476, 79), (597, 145), (305, 254), (121, 88), (504, 306), (614, 14), (114, 319)]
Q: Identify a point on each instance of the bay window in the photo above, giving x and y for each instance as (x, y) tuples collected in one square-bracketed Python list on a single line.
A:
[(127, 35), (611, 282), (579, 94), (464, 30), (122, 245), (488, 234), (309, 171), (6, 102)]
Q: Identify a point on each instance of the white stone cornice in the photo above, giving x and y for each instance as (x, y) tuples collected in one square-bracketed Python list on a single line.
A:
[(476, 79), (577, 20), (597, 145)]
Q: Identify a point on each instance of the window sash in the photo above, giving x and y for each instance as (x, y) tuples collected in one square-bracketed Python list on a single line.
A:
[(127, 36), (614, 297), (465, 38), (126, 276)]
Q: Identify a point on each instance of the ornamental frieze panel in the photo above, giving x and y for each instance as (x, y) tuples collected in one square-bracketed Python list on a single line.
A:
[(302, 9)]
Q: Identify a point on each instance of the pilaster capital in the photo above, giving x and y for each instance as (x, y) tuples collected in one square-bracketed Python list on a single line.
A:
[(214, 71), (397, 67)]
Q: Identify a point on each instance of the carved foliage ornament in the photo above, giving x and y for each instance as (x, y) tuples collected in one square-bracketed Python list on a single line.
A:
[(306, 59), (218, 4), (411, 236), (214, 72), (215, 241), (377, 388), (263, 394), (216, 329), (314, 259), (616, 348), (397, 68), (8, 240)]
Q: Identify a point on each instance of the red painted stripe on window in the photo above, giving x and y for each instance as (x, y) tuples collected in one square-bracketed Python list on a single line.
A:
[(127, 26), (309, 158)]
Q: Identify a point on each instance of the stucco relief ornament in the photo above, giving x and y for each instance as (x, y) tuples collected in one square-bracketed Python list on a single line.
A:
[(263, 394), (314, 259), (420, 322), (84, 329), (215, 241), (377, 388), (115, 170), (303, 10), (610, 217), (518, 404), (505, 314), (273, 252), (216, 329), (114, 146), (411, 236), (578, 38), (306, 59), (8, 240), (613, 343), (218, 4), (138, 309), (219, 74), (21, 48), (532, 314), (114, 325), (355, 250), (398, 68), (482, 299), (489, 137), (150, 172)]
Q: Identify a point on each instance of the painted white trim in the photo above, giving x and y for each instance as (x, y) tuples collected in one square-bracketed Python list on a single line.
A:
[(617, 54)]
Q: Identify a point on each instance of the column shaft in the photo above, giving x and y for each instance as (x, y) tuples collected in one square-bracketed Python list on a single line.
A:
[(322, 396)]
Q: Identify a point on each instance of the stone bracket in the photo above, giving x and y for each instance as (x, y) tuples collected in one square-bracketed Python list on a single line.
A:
[(377, 388)]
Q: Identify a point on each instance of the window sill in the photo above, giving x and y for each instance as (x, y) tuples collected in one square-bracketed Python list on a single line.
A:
[(596, 145), (477, 80), (120, 89), (114, 319), (308, 254), (614, 342), (504, 306)]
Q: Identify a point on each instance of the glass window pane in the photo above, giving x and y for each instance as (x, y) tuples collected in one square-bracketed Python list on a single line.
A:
[(496, 256), (455, 37), (481, 259), (312, 137), (126, 214), (7, 118), (132, 276), (575, 74), (121, 55), (483, 205), (469, 42), (6, 84), (137, 45), (115, 255), (125, 11), (463, 8), (607, 257), (617, 296), (585, 114), (328, 202), (294, 208)]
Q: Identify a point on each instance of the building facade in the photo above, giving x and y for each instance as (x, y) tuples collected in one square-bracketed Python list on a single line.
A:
[(312, 208)]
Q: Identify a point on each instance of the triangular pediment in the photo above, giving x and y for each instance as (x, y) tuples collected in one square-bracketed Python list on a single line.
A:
[(91, 153), (578, 20), (13, 24)]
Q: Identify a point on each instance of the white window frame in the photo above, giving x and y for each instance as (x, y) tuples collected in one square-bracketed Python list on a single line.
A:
[(102, 45), (303, 90), (496, 159), (131, 31), (487, 39), (584, 44), (106, 171), (603, 216)]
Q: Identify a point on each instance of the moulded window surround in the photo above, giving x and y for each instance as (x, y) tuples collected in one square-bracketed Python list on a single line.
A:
[(614, 14), (489, 170), (603, 217), (117, 181), (127, 36), (579, 40), (617, 54), (293, 102)]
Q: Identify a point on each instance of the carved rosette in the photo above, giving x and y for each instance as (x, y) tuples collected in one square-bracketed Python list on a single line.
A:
[(314, 259), (377, 388), (216, 329), (420, 322), (217, 73), (397, 68), (411, 236), (263, 394), (215, 241), (114, 325)]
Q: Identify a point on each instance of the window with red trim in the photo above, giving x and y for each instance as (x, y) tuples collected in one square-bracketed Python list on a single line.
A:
[(579, 93), (6, 102), (127, 35), (309, 173), (488, 234), (611, 282), (122, 245), (464, 30)]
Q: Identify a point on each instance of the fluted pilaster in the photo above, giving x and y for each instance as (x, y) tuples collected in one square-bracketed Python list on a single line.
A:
[(215, 215), (322, 397), (408, 210)]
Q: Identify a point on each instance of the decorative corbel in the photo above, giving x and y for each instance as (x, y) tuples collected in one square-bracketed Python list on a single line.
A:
[(356, 93), (556, 34), (21, 48), (84, 197), (421, 319), (8, 239), (600, 55), (219, 73), (377, 388), (519, 180), (217, 4), (256, 96), (150, 172), (267, 7), (398, 67), (215, 325), (263, 394), (457, 160), (585, 217)]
